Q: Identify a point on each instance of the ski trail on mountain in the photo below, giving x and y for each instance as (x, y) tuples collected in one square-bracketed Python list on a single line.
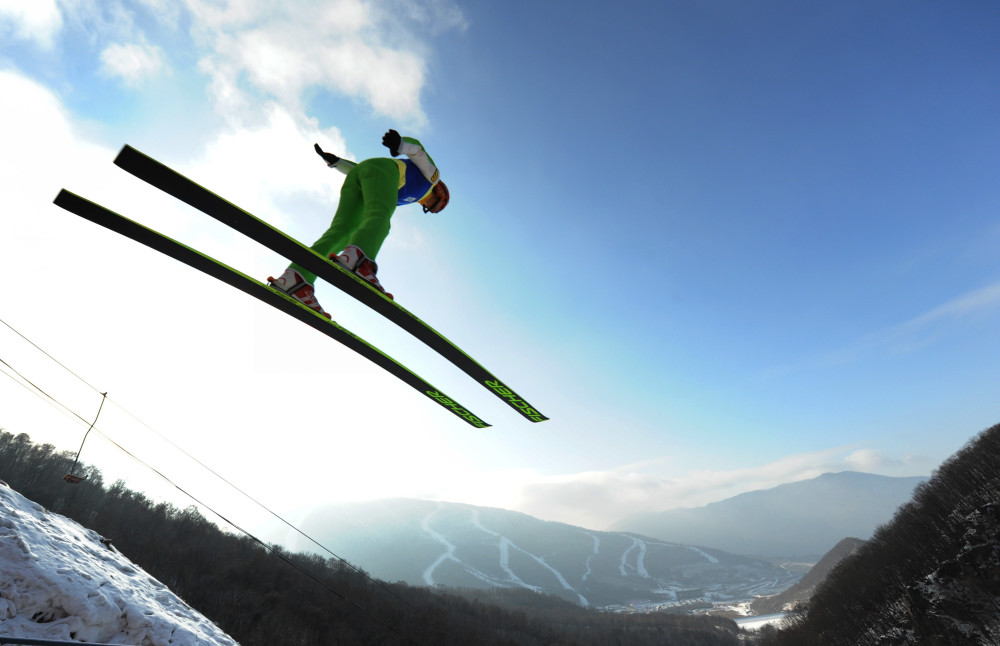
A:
[(597, 548), (505, 545), (449, 555), (640, 562), (708, 557)]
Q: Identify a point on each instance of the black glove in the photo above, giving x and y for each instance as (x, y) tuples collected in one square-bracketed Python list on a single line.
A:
[(329, 158), (392, 141)]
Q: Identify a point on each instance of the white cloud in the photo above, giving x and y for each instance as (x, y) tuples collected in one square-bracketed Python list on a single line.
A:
[(966, 305), (433, 16), (34, 20), (598, 499), (349, 47), (132, 62), (922, 330), (272, 160), (167, 12), (871, 461), (255, 51), (33, 151)]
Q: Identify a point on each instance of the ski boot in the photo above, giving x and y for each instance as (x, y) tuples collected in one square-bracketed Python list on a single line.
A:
[(354, 259), (292, 283)]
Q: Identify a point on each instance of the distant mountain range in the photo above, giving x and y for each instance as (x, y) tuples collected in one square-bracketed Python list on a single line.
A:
[(796, 520), (727, 551), (462, 546)]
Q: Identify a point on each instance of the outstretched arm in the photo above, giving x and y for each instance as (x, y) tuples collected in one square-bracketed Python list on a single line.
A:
[(343, 165), (414, 150)]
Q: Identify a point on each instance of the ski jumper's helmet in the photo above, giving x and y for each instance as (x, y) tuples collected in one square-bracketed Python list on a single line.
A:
[(436, 199)]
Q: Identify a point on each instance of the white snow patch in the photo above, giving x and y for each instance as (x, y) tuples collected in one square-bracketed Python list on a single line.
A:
[(59, 581), (506, 544), (449, 555), (597, 548), (640, 562), (708, 557)]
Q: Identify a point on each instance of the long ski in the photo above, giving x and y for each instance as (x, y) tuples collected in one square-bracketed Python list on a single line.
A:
[(170, 181), (170, 247)]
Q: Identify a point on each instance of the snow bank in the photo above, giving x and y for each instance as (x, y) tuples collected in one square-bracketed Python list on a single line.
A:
[(60, 581)]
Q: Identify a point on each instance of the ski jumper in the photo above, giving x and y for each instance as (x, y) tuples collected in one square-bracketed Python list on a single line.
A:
[(372, 190)]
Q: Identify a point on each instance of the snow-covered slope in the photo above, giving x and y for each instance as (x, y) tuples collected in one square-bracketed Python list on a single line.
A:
[(61, 581)]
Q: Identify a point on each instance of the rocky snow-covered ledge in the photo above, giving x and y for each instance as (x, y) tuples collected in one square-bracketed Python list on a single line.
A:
[(61, 581)]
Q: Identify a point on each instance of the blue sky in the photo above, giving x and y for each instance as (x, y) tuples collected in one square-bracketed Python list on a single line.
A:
[(723, 245)]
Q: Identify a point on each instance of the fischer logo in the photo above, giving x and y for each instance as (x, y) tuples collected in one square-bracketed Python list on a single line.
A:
[(457, 408), (516, 401)]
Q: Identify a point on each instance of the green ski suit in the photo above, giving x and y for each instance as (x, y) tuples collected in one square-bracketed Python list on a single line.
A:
[(370, 194)]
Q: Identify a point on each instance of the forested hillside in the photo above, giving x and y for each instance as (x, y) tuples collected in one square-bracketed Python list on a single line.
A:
[(930, 576), (263, 595)]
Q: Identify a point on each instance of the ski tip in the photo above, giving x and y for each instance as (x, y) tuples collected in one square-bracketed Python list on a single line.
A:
[(126, 152)]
